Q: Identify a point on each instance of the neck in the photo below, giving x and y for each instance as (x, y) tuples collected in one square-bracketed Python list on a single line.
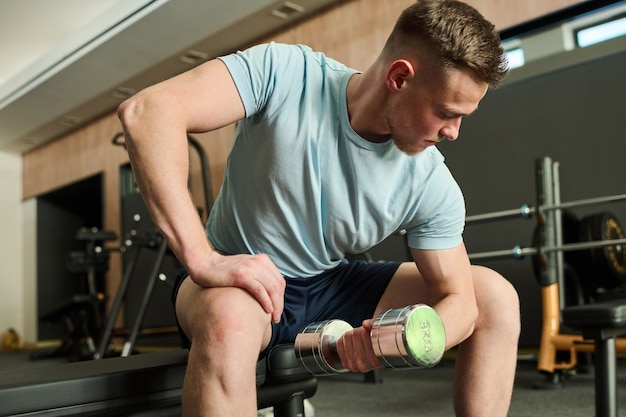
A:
[(366, 104)]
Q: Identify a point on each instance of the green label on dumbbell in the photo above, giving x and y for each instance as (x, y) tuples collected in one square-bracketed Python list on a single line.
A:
[(425, 336)]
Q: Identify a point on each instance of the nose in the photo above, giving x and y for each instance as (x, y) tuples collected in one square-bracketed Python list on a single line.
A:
[(451, 130)]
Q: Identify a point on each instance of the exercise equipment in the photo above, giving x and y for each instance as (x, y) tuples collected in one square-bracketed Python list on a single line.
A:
[(133, 245), (602, 267), (82, 313), (408, 337), (601, 322), (598, 248), (143, 384), (607, 264)]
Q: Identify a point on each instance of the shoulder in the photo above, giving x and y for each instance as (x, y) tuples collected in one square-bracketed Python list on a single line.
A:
[(275, 73), (277, 56)]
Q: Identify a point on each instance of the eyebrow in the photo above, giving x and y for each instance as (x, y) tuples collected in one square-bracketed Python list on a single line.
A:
[(457, 113)]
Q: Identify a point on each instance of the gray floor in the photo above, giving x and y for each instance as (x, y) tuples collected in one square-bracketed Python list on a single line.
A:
[(428, 393)]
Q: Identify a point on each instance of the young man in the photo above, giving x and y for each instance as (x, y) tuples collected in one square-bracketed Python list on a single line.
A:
[(327, 161)]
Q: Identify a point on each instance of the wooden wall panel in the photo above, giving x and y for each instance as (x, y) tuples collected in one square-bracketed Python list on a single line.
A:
[(352, 32)]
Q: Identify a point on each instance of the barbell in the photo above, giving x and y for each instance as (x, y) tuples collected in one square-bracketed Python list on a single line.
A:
[(526, 212)]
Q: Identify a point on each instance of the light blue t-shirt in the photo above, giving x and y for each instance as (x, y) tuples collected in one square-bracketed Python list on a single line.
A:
[(303, 187)]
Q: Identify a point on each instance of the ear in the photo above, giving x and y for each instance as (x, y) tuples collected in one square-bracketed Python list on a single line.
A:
[(398, 73)]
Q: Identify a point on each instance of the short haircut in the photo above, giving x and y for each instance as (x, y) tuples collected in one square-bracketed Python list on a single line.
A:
[(458, 35)]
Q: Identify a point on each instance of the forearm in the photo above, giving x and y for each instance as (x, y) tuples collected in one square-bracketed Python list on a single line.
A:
[(448, 278), (158, 150), (458, 315)]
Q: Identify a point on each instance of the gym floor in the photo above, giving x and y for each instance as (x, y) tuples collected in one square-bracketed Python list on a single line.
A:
[(429, 393), (425, 392)]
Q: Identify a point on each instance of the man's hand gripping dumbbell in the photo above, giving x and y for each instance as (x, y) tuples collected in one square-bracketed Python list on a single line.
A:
[(409, 337)]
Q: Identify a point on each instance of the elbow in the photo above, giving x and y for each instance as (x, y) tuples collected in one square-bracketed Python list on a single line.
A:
[(128, 112), (470, 314)]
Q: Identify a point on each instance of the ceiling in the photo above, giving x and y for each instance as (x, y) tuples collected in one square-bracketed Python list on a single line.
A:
[(67, 62)]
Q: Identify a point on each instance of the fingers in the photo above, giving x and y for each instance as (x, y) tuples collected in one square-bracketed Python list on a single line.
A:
[(356, 351), (276, 292), (272, 287), (259, 276)]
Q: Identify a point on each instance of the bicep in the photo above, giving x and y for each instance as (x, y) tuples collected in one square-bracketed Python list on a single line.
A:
[(445, 272)]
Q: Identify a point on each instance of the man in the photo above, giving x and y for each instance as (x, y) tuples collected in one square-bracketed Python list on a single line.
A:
[(327, 161)]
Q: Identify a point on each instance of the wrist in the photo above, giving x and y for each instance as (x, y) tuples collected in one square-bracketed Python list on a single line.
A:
[(201, 261)]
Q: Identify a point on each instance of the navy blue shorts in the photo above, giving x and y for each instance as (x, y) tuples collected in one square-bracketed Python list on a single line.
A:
[(349, 292)]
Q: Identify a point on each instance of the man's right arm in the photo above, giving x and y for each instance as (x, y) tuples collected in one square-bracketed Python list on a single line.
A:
[(156, 122)]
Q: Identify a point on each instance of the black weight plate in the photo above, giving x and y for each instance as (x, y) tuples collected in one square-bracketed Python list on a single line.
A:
[(606, 265)]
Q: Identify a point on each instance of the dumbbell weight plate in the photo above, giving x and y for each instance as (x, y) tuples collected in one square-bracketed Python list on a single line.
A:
[(409, 337), (315, 346)]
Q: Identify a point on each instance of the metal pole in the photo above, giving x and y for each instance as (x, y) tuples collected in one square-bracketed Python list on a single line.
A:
[(585, 202), (117, 303), (545, 196), (524, 211), (130, 343), (584, 245), (518, 252), (605, 387), (558, 231)]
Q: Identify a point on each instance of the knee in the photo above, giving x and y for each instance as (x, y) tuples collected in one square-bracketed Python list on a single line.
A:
[(221, 315), (498, 301)]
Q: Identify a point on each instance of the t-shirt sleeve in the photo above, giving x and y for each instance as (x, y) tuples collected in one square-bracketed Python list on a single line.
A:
[(441, 217), (260, 72)]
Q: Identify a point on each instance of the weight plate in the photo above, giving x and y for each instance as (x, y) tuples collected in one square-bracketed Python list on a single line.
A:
[(409, 337), (605, 265)]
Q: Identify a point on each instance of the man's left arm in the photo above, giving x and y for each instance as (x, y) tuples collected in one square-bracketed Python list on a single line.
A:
[(450, 289)]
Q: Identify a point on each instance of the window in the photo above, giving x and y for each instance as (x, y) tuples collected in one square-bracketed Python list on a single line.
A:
[(601, 32), (515, 57), (566, 32)]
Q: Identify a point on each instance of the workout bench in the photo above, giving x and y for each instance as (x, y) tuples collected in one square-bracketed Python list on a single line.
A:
[(601, 322), (143, 384)]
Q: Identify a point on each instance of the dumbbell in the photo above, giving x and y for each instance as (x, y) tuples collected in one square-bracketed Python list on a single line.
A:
[(408, 337)]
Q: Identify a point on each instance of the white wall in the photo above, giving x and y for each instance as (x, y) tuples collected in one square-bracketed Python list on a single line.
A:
[(29, 270), (11, 245)]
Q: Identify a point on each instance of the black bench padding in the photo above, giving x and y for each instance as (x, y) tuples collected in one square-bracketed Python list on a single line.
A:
[(601, 322), (128, 386), (605, 314), (102, 387)]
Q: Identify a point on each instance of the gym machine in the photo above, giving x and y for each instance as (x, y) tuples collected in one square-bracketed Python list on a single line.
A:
[(601, 257), (82, 312)]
